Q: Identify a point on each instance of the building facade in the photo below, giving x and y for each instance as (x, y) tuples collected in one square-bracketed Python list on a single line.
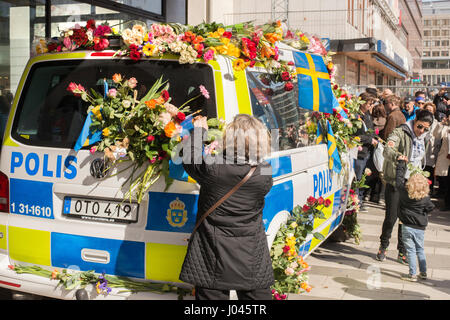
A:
[(24, 22), (436, 43)]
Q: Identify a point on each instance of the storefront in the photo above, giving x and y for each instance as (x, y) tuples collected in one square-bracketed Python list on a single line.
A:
[(24, 22)]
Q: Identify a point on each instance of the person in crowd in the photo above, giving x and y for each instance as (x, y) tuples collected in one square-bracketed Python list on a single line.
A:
[(442, 102), (420, 93), (229, 249), (384, 94), (433, 146), (395, 117), (410, 108), (442, 169), (368, 140), (374, 180), (372, 89), (415, 204), (407, 142)]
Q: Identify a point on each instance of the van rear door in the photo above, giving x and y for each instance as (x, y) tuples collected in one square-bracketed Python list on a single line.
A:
[(62, 216)]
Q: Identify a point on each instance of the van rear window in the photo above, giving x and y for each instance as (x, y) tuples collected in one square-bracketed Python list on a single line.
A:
[(50, 116)]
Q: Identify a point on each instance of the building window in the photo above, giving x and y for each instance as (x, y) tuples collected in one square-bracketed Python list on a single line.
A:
[(436, 22), (427, 43), (445, 43), (436, 43), (427, 33), (426, 53), (445, 22), (427, 23), (436, 33), (444, 53), (445, 32), (435, 54)]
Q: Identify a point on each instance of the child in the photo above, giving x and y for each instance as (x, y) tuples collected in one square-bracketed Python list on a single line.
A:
[(415, 204)]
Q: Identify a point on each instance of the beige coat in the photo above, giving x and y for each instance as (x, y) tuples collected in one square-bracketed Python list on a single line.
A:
[(442, 162)]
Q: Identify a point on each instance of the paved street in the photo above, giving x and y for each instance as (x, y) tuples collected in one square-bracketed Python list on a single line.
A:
[(347, 271)]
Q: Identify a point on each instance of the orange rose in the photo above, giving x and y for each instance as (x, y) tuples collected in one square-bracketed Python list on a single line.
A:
[(170, 129)]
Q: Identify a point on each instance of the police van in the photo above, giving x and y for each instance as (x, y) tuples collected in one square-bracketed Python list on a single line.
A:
[(55, 214)]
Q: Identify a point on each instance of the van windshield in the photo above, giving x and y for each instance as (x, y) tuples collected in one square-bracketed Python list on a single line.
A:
[(49, 115)]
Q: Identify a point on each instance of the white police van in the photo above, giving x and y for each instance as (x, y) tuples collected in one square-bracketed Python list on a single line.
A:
[(55, 214)]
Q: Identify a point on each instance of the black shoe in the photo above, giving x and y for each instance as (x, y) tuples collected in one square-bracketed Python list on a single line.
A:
[(408, 277), (423, 276), (381, 255), (402, 258)]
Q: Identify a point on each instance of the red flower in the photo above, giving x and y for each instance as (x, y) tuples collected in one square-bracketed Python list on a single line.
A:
[(286, 249), (90, 24), (181, 116), (135, 55), (311, 201), (52, 47), (327, 203), (305, 208), (429, 182), (320, 200), (100, 44), (133, 47), (290, 63), (150, 138), (285, 76), (288, 86), (165, 95), (227, 34), (80, 37)]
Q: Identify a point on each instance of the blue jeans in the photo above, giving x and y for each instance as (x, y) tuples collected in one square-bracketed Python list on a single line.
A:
[(413, 240)]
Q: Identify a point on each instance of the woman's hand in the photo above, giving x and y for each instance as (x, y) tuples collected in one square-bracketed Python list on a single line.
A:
[(201, 122)]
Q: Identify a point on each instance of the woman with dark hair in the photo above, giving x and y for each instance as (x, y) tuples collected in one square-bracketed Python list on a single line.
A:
[(228, 249), (407, 142)]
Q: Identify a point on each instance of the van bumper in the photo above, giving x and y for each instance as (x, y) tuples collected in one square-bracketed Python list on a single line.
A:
[(41, 286)]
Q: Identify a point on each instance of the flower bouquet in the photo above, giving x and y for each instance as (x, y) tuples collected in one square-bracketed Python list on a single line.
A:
[(289, 267), (144, 132)]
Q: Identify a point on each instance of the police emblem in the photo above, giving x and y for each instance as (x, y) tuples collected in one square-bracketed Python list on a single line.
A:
[(176, 215)]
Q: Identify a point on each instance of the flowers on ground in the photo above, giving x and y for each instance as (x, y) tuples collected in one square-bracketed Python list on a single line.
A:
[(290, 269)]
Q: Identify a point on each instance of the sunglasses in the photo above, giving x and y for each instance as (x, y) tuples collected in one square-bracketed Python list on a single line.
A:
[(420, 127)]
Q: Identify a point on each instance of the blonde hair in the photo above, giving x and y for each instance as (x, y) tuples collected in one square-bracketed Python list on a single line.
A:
[(417, 186), (429, 103), (246, 139)]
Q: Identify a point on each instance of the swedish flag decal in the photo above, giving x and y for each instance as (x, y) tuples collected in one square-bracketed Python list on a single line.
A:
[(314, 86), (333, 154)]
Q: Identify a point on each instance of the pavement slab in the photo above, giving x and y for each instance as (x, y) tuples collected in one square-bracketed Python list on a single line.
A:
[(349, 271)]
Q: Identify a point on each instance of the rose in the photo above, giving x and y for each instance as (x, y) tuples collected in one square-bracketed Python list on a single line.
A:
[(285, 76), (165, 95), (305, 208), (288, 86), (135, 55), (150, 138), (311, 201), (327, 202), (181, 116), (132, 83), (112, 93), (289, 271)]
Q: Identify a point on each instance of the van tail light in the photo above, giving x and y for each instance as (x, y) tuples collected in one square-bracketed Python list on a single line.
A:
[(4, 193)]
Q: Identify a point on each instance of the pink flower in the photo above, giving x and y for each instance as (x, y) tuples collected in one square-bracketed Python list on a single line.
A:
[(132, 83), (112, 93), (377, 131), (68, 44), (93, 149), (289, 271), (204, 92), (150, 138), (208, 55)]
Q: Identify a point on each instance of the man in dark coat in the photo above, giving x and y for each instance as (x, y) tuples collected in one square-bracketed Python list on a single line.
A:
[(229, 251), (442, 103)]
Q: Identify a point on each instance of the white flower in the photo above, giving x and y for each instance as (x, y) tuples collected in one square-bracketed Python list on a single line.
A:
[(90, 35), (293, 265)]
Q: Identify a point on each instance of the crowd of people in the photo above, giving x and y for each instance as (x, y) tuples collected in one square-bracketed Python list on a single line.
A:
[(414, 136)]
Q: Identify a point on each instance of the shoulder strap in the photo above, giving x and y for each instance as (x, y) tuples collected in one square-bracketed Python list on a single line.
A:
[(225, 197)]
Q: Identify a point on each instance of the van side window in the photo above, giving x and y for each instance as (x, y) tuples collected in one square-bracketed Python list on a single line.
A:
[(48, 115), (278, 109)]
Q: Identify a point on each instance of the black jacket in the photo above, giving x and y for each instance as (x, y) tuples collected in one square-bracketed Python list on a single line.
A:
[(366, 136), (229, 251), (412, 213)]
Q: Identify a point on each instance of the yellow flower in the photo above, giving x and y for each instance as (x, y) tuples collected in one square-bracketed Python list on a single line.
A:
[(97, 288), (150, 49), (220, 31), (97, 113), (239, 65), (305, 39), (225, 41), (106, 132), (294, 225)]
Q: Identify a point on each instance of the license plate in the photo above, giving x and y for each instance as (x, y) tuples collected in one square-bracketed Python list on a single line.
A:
[(101, 210)]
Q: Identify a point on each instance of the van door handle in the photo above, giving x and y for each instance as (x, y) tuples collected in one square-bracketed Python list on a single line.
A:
[(97, 256)]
